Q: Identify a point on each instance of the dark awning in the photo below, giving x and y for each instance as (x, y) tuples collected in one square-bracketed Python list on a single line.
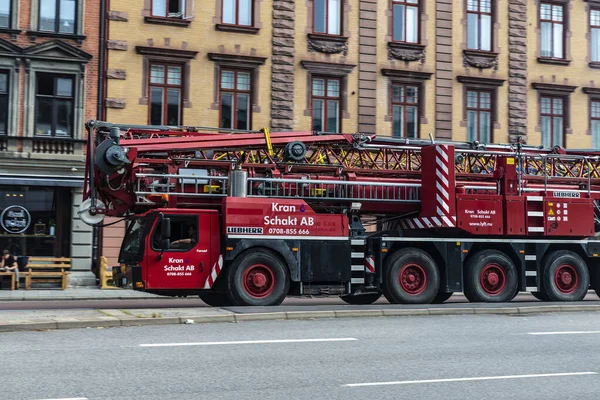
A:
[(45, 180)]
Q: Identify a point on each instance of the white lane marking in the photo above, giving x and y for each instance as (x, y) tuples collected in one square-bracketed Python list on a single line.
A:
[(563, 333), (70, 398), (479, 378), (248, 342)]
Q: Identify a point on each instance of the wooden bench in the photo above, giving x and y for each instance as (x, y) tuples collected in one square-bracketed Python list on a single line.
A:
[(10, 275), (47, 270)]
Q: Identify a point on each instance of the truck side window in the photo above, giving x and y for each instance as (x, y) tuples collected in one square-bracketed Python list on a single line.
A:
[(184, 233)]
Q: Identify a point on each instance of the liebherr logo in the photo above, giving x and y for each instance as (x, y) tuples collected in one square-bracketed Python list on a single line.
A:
[(245, 230)]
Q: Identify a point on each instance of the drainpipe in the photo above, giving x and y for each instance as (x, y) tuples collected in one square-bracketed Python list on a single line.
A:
[(97, 232)]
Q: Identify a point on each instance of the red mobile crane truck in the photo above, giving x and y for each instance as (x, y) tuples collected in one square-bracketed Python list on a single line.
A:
[(248, 218)]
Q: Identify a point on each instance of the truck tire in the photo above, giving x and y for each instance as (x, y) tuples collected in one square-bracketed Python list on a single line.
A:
[(258, 278), (565, 276), (540, 296), (441, 297), (491, 277), (595, 282), (410, 276), (216, 299), (361, 299)]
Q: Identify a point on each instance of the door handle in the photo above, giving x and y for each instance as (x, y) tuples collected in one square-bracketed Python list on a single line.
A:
[(201, 266)]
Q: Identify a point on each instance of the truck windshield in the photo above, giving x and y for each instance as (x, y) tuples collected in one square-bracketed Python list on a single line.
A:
[(132, 249)]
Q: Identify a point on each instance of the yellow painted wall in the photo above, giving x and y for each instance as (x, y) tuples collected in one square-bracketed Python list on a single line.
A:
[(304, 122), (201, 36), (576, 74), (459, 28), (427, 126)]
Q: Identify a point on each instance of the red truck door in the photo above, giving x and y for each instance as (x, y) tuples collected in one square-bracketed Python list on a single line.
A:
[(186, 262)]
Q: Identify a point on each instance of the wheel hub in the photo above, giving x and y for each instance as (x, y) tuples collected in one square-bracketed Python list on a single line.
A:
[(413, 279), (259, 279), (566, 278), (493, 279)]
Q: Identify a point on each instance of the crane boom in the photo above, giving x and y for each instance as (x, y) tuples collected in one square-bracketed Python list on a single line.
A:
[(135, 168)]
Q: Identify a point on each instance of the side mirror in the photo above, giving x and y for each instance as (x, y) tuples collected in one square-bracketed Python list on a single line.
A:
[(165, 244), (165, 229)]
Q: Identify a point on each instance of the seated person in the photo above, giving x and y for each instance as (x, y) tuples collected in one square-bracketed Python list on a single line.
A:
[(9, 264), (191, 239)]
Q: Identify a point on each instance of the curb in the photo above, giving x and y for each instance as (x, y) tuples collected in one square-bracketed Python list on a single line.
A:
[(108, 322)]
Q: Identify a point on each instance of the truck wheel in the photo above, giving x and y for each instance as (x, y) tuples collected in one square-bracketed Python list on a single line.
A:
[(361, 299), (258, 278), (566, 276), (595, 276), (442, 297), (410, 276), (491, 278), (540, 296), (216, 299)]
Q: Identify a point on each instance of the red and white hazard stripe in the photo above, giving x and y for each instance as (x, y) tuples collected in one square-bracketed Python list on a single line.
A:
[(216, 270), (443, 163), (370, 265), (425, 222)]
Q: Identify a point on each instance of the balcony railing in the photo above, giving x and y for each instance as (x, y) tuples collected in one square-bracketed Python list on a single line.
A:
[(45, 145)]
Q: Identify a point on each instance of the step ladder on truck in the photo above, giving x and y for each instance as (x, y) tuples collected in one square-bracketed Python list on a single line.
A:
[(250, 217)]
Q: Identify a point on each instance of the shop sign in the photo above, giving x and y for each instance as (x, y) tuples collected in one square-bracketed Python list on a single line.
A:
[(15, 219)]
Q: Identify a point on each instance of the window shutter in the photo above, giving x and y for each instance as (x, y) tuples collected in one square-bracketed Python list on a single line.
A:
[(188, 8)]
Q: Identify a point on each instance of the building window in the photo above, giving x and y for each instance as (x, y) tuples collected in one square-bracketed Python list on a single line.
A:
[(405, 110), (3, 102), (237, 12), (479, 24), (40, 224), (595, 123), (235, 92), (406, 21), (479, 116), (54, 105), (326, 104), (327, 16), (165, 94), (5, 13), (552, 30), (168, 8), (552, 118), (58, 16), (595, 34)]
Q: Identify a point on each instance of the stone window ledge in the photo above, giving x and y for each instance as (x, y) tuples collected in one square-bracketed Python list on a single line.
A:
[(165, 52), (553, 61), (329, 44), (250, 30), (594, 64), (406, 75), (34, 34), (480, 59), (406, 51), (326, 68), (592, 91), (553, 88), (13, 32), (237, 60), (184, 23)]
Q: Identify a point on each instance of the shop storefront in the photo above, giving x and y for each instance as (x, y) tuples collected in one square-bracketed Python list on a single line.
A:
[(36, 220), (38, 217)]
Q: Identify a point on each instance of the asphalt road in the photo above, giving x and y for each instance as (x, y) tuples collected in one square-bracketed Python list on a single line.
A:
[(550, 356), (289, 304)]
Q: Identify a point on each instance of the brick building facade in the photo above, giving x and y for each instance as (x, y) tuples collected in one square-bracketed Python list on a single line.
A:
[(48, 88), (487, 70)]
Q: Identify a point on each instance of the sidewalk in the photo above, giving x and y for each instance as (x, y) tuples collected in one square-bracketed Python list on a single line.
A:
[(76, 293), (43, 319)]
